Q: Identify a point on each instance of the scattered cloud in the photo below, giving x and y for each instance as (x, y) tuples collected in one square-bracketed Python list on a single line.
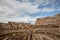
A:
[(20, 10), (48, 9), (9, 9)]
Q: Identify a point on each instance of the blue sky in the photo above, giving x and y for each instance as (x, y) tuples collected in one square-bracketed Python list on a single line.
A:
[(27, 10)]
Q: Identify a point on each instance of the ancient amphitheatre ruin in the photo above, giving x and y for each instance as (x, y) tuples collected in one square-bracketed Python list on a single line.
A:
[(47, 28)]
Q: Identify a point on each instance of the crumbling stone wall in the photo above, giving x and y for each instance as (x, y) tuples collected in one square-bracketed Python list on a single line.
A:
[(48, 20)]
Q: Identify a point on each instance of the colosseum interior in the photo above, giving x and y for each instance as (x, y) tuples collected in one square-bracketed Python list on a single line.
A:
[(47, 28)]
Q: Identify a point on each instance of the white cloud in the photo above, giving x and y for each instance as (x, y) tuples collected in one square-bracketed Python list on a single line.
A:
[(48, 9), (32, 1), (14, 7), (11, 9), (26, 19)]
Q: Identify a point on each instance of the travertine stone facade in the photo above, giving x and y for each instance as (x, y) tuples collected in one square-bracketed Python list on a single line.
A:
[(48, 20)]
